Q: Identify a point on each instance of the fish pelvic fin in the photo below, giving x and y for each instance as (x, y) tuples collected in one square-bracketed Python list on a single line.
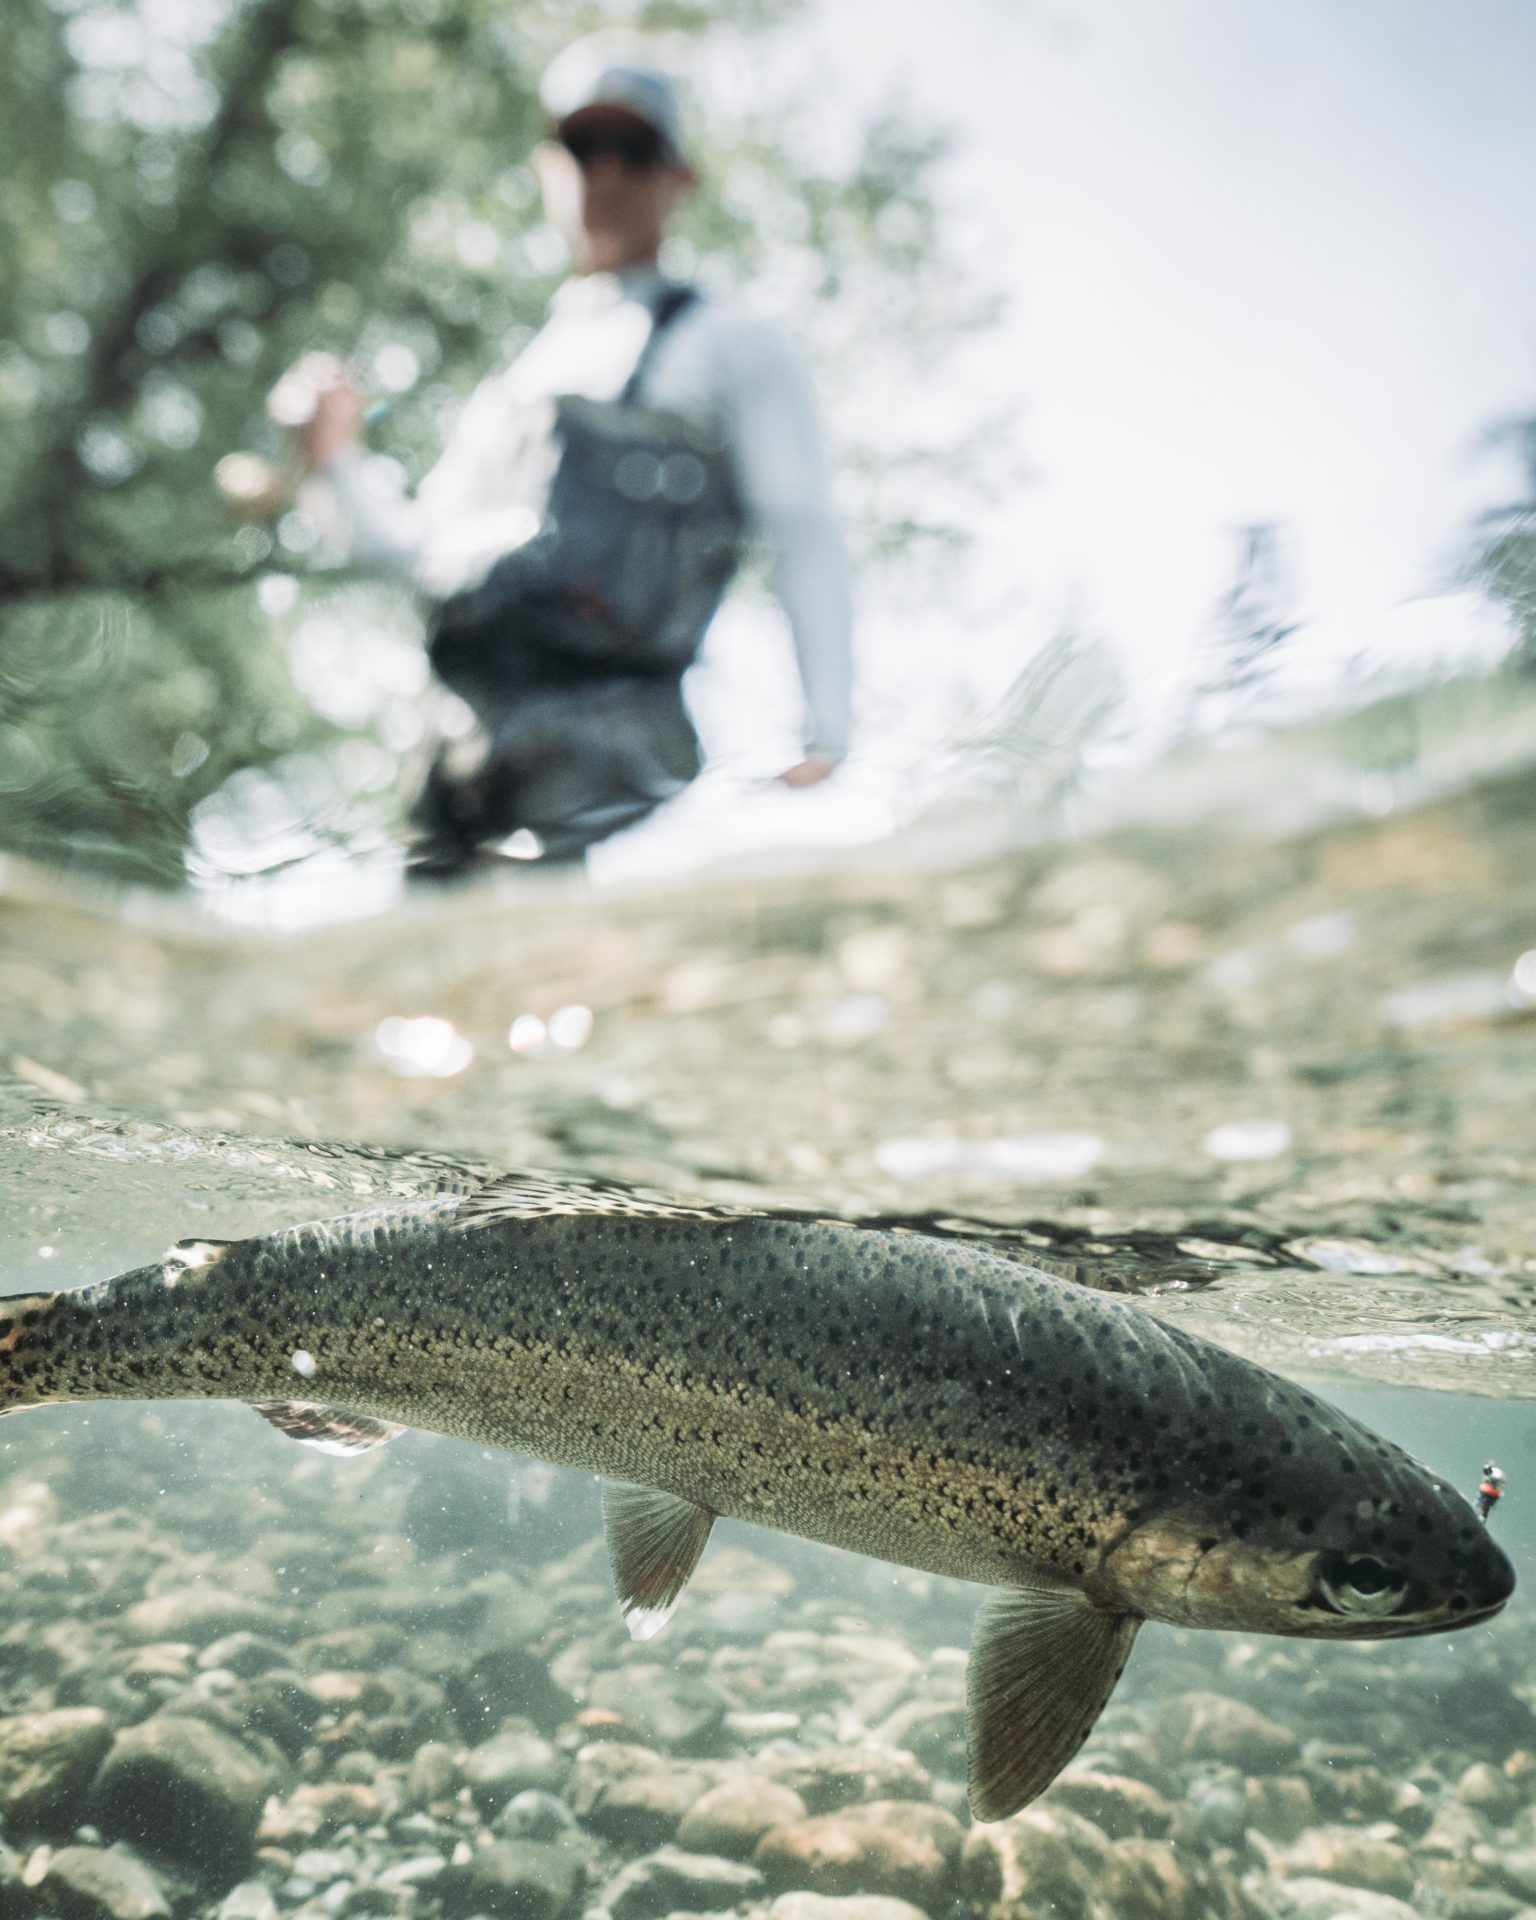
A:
[(654, 1543), (326, 1429), (1044, 1661)]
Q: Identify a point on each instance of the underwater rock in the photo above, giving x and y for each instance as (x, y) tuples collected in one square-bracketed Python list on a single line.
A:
[(281, 1706), (250, 1900), (504, 1678), (412, 1712), (359, 1648), (1356, 1859), (318, 1808), (839, 1776), (1513, 1868), (357, 1767), (1117, 1805), (875, 1653), (848, 1906), (507, 1764), (47, 1763), (918, 1817), (841, 1907), (632, 1795), (17, 1900), (1488, 1790), (201, 1615), (1483, 1903), (1209, 1726), (732, 1817), (431, 1777), (670, 1880), (646, 1807), (1412, 1809), (600, 1765), (1215, 1809), (160, 1660), (676, 1711), (513, 1880), (1325, 1900), (534, 1815), (731, 1619), (101, 1883), (836, 1853), (1280, 1806), (1453, 1833), (419, 1870), (931, 1730), (185, 1789), (1366, 1792), (1124, 1750), (1044, 1860), (1146, 1880), (245, 1654)]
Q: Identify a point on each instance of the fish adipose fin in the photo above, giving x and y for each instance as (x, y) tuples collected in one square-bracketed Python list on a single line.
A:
[(654, 1543), (324, 1428), (1044, 1661)]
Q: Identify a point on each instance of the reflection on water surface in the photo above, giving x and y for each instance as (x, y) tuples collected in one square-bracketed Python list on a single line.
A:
[(1280, 1085)]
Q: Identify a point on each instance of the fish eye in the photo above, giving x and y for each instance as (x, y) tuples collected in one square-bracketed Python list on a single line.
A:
[(1357, 1584)]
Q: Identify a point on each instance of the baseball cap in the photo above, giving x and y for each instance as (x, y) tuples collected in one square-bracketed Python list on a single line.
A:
[(603, 70)]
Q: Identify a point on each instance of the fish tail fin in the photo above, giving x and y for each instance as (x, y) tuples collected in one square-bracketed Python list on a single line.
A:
[(20, 1316)]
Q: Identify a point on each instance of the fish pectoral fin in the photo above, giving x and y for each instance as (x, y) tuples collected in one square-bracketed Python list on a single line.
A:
[(654, 1543), (326, 1429), (1044, 1661)]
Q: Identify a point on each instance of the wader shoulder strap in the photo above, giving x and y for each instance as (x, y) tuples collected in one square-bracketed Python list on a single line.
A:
[(669, 303)]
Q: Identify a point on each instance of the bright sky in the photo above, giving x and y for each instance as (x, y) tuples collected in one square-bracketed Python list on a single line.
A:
[(1267, 262)]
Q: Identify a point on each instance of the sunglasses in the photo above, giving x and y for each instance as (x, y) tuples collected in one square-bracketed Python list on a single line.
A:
[(637, 148)]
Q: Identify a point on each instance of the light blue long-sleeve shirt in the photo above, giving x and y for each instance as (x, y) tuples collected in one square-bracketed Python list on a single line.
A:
[(715, 365)]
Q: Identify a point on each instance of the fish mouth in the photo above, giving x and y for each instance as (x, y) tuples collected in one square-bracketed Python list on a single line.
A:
[(1416, 1629)]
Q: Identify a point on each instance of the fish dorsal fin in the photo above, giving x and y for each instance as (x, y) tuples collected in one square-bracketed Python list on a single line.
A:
[(1044, 1661), (188, 1259), (654, 1543), (532, 1196), (326, 1428)]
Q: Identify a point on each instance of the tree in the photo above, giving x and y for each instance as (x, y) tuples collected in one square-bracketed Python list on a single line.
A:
[(191, 197), (1252, 623), (1504, 558)]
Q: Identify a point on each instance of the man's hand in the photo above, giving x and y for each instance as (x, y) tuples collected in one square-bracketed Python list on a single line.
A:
[(318, 404), (808, 772)]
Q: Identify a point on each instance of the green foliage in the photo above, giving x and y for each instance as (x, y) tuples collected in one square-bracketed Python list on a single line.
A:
[(190, 197), (1505, 561)]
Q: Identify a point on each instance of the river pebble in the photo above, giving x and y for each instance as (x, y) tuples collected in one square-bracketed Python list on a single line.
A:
[(329, 1763)]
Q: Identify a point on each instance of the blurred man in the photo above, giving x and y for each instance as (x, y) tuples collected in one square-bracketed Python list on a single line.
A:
[(579, 733)]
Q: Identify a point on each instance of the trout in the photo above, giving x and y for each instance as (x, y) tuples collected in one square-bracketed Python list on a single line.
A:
[(921, 1400)]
